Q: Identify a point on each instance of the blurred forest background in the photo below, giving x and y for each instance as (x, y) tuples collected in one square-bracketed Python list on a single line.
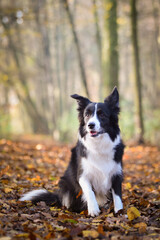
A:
[(50, 49)]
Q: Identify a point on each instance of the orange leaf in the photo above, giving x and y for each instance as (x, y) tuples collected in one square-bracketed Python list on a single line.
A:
[(141, 227), (79, 194), (7, 190), (3, 171)]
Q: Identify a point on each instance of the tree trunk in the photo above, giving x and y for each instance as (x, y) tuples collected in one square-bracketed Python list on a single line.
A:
[(137, 77), (99, 45), (77, 44), (44, 58), (111, 77)]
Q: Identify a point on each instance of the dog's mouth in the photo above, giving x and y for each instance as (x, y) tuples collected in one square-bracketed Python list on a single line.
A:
[(95, 133)]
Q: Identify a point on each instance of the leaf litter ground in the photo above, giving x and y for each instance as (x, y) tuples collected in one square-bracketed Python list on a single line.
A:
[(29, 165)]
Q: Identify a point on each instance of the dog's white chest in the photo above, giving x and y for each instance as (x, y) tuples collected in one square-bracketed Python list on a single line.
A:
[(99, 170), (99, 166)]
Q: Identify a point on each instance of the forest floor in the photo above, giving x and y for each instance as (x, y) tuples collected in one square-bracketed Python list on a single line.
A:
[(27, 165)]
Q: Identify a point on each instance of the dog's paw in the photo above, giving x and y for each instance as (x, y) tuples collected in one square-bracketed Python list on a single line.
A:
[(93, 210), (119, 213)]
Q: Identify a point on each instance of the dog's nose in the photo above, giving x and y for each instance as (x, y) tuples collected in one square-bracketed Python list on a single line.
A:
[(91, 125)]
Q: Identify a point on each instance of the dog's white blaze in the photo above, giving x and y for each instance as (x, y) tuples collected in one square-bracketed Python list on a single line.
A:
[(94, 120), (29, 196), (66, 200), (118, 205)]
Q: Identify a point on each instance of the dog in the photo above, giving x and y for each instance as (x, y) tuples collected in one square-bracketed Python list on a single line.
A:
[(95, 168)]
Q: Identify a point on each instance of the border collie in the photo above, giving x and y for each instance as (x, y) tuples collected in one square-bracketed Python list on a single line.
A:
[(95, 169)]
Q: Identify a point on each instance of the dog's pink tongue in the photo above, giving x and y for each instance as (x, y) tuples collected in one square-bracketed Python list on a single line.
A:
[(93, 133)]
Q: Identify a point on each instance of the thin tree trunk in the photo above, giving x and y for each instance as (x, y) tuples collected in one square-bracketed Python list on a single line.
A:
[(99, 44), (77, 44), (112, 29), (156, 15), (137, 78), (57, 60)]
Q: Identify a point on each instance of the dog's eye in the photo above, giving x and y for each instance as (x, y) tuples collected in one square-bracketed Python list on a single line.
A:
[(101, 114), (87, 114)]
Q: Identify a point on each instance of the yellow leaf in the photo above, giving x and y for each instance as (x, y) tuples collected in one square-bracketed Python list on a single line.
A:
[(7, 190), (54, 209), (30, 166), (132, 213), (128, 185), (5, 238), (22, 235), (90, 233), (125, 226), (97, 222)]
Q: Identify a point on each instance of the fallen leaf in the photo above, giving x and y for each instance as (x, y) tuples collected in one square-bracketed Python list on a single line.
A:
[(22, 235), (71, 221), (75, 231), (132, 213), (55, 209), (79, 194), (100, 229), (90, 233), (142, 227), (128, 185), (5, 238), (125, 226), (7, 190), (3, 171)]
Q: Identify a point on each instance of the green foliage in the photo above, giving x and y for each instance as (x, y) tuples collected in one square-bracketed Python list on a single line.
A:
[(152, 127), (127, 120), (5, 127), (68, 125)]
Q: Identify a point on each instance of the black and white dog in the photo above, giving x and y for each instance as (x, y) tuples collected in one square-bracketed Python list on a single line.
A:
[(95, 168)]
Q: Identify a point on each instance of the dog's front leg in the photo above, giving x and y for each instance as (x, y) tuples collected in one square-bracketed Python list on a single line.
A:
[(89, 196), (117, 192)]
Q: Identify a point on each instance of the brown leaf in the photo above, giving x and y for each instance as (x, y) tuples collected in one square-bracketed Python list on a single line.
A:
[(75, 231), (100, 229)]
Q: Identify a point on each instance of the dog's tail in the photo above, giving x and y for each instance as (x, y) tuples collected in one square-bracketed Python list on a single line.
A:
[(42, 195)]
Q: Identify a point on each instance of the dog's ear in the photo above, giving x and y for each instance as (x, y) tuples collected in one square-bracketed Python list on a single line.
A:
[(82, 101), (113, 98)]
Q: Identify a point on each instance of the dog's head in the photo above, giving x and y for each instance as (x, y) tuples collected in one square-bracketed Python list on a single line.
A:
[(99, 118)]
